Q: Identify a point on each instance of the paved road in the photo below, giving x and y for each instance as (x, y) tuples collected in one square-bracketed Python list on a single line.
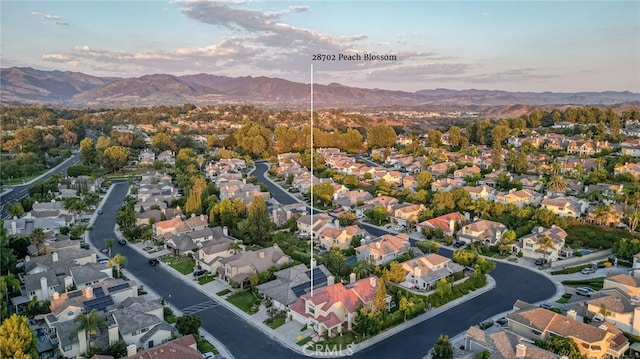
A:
[(366, 161), (22, 190)]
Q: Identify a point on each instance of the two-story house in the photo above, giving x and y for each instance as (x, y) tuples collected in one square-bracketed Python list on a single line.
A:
[(483, 231), (423, 272), (536, 245), (384, 249), (447, 223), (241, 266)]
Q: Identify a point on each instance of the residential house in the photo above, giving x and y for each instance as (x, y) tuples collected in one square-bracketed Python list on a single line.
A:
[(501, 344), (409, 182), (466, 171), (209, 255), (446, 184), (440, 169), (394, 177), (631, 147), (586, 147), (293, 282), (619, 310), (334, 235), (631, 168), (626, 283), (402, 214), (483, 231), (167, 157), (241, 266), (24, 226), (142, 329), (537, 323), (447, 223), (423, 272), (521, 198), (170, 227), (532, 245), (352, 199), (386, 202), (481, 192), (306, 226), (282, 213), (384, 249), (333, 309), (184, 348), (566, 206)]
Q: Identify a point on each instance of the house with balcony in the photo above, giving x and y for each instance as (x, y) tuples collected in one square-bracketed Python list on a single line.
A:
[(334, 309), (424, 272), (565, 206), (533, 245), (241, 266), (482, 231), (401, 214), (384, 249), (446, 223), (291, 283)]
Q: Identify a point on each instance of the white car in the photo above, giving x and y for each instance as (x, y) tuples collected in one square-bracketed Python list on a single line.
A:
[(586, 291)]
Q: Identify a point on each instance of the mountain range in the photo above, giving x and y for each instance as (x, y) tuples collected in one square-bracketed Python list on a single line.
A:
[(25, 85)]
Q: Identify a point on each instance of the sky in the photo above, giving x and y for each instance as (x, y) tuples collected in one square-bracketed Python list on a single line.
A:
[(559, 46)]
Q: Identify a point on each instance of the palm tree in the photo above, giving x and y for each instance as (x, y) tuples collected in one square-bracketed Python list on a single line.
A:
[(481, 207), (634, 218), (235, 247), (556, 184), (603, 214), (364, 268), (91, 323), (604, 311), (118, 260), (37, 238), (546, 243), (109, 243)]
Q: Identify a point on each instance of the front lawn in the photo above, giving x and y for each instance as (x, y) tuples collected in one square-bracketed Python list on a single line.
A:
[(204, 346), (278, 320), (183, 265), (223, 292), (245, 300), (339, 342), (304, 341), (204, 279), (593, 283)]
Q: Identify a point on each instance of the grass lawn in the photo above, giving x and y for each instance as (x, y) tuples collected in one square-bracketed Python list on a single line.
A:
[(183, 265), (245, 300), (304, 341), (204, 346), (277, 321), (204, 279), (223, 292), (338, 342), (570, 270)]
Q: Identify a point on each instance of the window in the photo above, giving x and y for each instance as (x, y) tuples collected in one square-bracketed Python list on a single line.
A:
[(135, 332), (312, 309), (66, 348), (144, 330)]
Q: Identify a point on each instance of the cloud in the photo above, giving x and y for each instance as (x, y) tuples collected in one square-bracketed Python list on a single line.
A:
[(53, 19), (57, 57)]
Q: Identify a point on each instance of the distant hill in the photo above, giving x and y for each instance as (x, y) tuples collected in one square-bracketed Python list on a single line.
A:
[(31, 86)]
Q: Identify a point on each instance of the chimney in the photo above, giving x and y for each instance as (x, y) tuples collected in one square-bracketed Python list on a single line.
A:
[(603, 327), (87, 292), (27, 258), (202, 217), (131, 350), (452, 225), (261, 254), (378, 245), (336, 223), (521, 351), (14, 227), (373, 281), (331, 280), (363, 242), (193, 215), (54, 256), (113, 333), (55, 296), (417, 271), (44, 287), (225, 231), (352, 278), (572, 314)]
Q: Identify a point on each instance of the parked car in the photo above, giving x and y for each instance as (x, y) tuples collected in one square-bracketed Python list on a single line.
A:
[(546, 305), (294, 190), (199, 272), (586, 291), (588, 270), (104, 250), (103, 261), (502, 321), (540, 261), (122, 241), (338, 210), (208, 355), (154, 261), (100, 211), (458, 244)]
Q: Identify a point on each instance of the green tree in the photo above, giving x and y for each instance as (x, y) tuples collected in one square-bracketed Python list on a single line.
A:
[(442, 349), (455, 135), (16, 339), (8, 283), (257, 228), (405, 306), (235, 247), (16, 210), (443, 287), (347, 218), (189, 324), (91, 323), (378, 214), (546, 243), (109, 243), (423, 180), (118, 261), (115, 157), (563, 346), (88, 152), (381, 136), (379, 303), (323, 192), (37, 238), (428, 246), (334, 260), (363, 268), (162, 142), (434, 138), (556, 184)]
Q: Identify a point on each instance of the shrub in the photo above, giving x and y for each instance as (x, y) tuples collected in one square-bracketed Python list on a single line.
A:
[(519, 255)]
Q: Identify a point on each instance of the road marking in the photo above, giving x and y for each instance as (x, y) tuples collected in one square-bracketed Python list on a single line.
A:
[(199, 307)]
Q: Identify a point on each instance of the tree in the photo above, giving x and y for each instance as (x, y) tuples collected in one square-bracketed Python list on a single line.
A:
[(38, 238), (16, 339), (395, 273), (378, 214), (455, 135), (604, 311), (8, 283), (257, 228), (563, 346), (235, 247), (381, 136), (423, 180), (115, 157), (556, 184), (323, 192), (405, 306), (333, 259), (428, 246), (91, 323), (118, 260), (363, 268), (443, 287), (162, 142), (347, 218), (109, 243), (16, 210), (351, 181), (379, 303), (442, 349), (434, 138), (546, 243), (88, 152), (188, 324)]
